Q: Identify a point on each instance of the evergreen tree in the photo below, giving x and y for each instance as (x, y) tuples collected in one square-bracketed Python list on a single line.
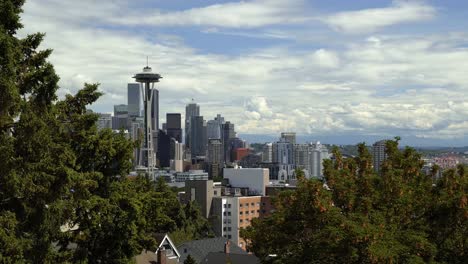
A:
[(190, 260), (398, 216), (64, 191)]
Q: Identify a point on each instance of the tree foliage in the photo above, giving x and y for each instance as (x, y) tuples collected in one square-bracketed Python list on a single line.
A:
[(64, 191), (399, 216)]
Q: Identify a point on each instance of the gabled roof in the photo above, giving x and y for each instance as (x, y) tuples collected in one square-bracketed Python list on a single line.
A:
[(163, 239), (199, 249)]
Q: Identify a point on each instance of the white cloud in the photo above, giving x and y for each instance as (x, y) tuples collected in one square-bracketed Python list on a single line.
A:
[(382, 84), (370, 20)]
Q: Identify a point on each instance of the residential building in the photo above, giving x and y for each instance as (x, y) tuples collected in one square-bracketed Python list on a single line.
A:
[(378, 154), (232, 213), (267, 153), (319, 153), (201, 192), (203, 250)]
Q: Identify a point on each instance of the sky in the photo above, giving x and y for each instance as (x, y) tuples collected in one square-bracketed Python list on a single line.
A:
[(343, 70)]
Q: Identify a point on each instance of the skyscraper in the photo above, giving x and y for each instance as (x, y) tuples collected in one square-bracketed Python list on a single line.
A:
[(173, 126), (215, 151), (227, 135), (120, 118), (120, 109), (155, 110), (197, 137), (155, 117), (378, 154), (192, 109), (134, 99), (289, 137), (283, 152)]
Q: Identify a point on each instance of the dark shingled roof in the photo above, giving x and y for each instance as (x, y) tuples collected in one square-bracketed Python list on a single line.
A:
[(199, 249), (221, 257)]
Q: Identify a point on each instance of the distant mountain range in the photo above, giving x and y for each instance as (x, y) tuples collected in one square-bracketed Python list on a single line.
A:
[(426, 143)]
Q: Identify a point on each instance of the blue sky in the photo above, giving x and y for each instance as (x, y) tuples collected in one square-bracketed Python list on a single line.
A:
[(327, 69)]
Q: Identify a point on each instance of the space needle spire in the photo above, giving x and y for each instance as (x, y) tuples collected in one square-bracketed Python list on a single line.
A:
[(147, 79)]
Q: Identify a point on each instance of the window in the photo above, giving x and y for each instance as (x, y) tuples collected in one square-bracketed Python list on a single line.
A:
[(229, 236), (258, 211), (229, 205), (252, 204), (240, 205), (253, 211), (241, 213), (229, 213), (224, 205), (263, 211), (229, 229), (224, 228), (215, 192), (224, 213), (241, 221), (246, 212)]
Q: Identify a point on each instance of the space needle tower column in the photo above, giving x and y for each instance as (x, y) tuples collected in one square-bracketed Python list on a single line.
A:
[(147, 79)]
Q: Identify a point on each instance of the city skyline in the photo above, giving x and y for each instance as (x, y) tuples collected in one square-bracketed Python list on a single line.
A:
[(274, 66)]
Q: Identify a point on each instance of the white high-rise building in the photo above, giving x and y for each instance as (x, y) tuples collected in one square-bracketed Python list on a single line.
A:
[(177, 164), (267, 152), (319, 153)]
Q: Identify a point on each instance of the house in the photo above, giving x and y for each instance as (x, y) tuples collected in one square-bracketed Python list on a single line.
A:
[(215, 251), (165, 253)]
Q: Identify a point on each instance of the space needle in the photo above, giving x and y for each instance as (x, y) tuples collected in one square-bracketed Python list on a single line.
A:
[(147, 79)]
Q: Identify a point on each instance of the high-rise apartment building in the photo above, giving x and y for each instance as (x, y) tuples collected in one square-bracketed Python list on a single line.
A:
[(319, 153), (174, 126), (267, 153), (192, 109), (378, 154), (289, 137), (134, 99)]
